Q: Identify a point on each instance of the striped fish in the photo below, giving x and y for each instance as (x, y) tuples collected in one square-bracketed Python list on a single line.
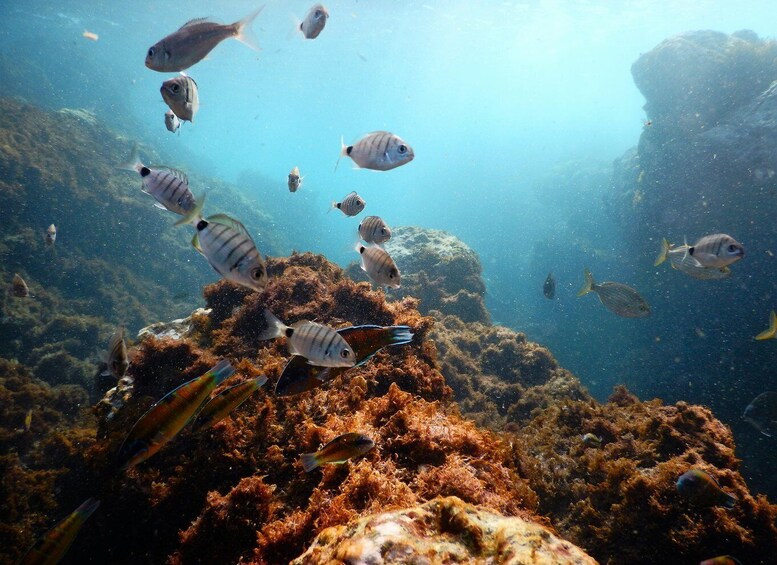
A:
[(172, 123), (379, 151), (351, 205), (117, 359), (680, 260), (717, 250), (221, 405), (162, 422), (339, 450), (168, 186), (616, 297), (53, 546), (373, 229), (379, 266), (181, 94), (295, 181), (231, 252), (320, 345)]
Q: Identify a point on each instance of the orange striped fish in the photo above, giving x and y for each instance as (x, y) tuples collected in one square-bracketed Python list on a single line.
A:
[(54, 545), (162, 422), (220, 406)]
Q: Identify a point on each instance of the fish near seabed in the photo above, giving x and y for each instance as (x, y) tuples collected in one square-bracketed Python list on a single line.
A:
[(549, 288), (51, 234), (379, 151), (314, 21), (53, 546), (771, 331), (373, 229), (351, 205), (339, 450), (762, 413), (19, 288), (117, 359), (194, 40), (702, 490), (618, 298), (168, 416), (221, 405), (182, 96), (379, 265), (295, 181), (717, 250)]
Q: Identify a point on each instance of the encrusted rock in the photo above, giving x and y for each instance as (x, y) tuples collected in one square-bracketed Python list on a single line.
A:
[(177, 329)]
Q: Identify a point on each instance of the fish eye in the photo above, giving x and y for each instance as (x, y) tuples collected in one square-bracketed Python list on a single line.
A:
[(383, 231), (345, 354), (402, 149), (175, 88), (256, 273), (732, 248), (151, 52), (318, 13)]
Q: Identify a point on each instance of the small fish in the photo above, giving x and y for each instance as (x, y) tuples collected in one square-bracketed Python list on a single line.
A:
[(90, 35), (19, 288), (182, 96), (373, 229), (717, 250), (379, 151), (339, 450), (314, 21), (762, 413), (51, 234), (162, 422), (299, 376), (681, 261), (591, 440), (616, 297), (701, 489), (28, 420), (771, 331), (295, 181), (351, 205), (379, 266), (117, 360), (172, 123), (229, 249), (221, 405), (194, 40), (721, 560), (168, 186), (53, 546), (549, 288), (319, 344)]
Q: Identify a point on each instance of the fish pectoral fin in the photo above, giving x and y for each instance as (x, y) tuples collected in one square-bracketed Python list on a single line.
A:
[(160, 206)]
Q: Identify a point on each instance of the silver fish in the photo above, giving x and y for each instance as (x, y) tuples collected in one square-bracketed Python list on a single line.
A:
[(117, 358), (762, 413), (194, 40), (681, 260), (51, 234), (169, 187), (320, 345), (172, 123), (295, 181), (231, 252), (379, 266), (549, 287), (717, 250), (19, 287), (379, 151), (351, 205), (314, 21), (373, 229), (181, 94), (616, 297)]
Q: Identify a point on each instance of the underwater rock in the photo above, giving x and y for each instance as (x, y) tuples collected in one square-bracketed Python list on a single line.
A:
[(444, 530), (177, 329)]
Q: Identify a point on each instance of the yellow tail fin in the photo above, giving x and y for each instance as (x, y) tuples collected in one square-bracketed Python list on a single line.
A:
[(664, 253), (772, 331), (588, 286)]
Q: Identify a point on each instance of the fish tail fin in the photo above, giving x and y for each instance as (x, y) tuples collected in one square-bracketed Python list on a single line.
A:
[(296, 27), (274, 327), (772, 331), (664, 253), (222, 371), (343, 151), (728, 500), (260, 381), (195, 215), (133, 162), (588, 286), (309, 461), (397, 335), (87, 508), (243, 31), (685, 244), (332, 206)]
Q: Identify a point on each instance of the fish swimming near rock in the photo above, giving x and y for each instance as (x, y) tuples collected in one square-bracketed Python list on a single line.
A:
[(379, 265), (314, 21), (172, 123), (319, 344), (379, 151), (53, 546), (549, 288), (51, 234), (762, 413), (771, 331), (295, 181), (167, 417), (373, 229), (616, 297), (168, 186), (182, 96), (19, 288), (339, 450), (117, 359), (591, 440), (221, 405), (682, 261), (716, 250), (299, 376), (351, 205), (229, 249), (702, 490), (194, 40)]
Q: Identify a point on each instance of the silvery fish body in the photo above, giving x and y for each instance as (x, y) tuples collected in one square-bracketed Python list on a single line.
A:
[(717, 250), (314, 21), (373, 229), (19, 287), (681, 260), (51, 234), (117, 358), (231, 252), (351, 205), (618, 298), (181, 94), (762, 413), (379, 151), (172, 123), (339, 450), (379, 266), (194, 40), (295, 181)]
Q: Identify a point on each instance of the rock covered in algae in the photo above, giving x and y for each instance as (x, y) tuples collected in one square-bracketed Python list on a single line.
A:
[(444, 530)]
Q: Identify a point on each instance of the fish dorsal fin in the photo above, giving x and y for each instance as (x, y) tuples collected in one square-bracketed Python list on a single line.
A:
[(196, 21), (347, 196), (225, 220), (300, 323)]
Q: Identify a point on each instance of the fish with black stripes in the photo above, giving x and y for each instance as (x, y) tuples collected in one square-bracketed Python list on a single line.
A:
[(351, 205), (373, 229), (182, 96), (618, 298), (379, 151), (379, 265), (681, 260), (716, 250)]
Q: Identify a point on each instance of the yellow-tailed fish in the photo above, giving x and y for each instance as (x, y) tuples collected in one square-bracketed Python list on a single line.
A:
[(618, 298), (339, 450), (221, 405), (53, 546), (681, 261), (168, 416), (28, 420), (717, 250), (771, 331)]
